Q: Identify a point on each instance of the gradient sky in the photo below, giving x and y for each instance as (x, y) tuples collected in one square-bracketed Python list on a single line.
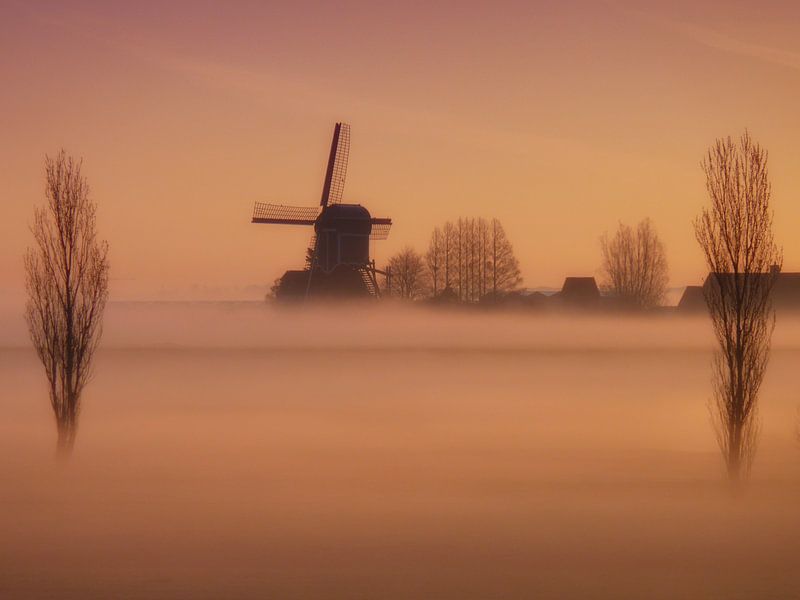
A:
[(559, 118)]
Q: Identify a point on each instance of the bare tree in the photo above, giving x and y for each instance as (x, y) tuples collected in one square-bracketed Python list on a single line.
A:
[(473, 258), (434, 259), (448, 244), (736, 236), (67, 285), (484, 267), (274, 290), (469, 259), (635, 265), (460, 259), (504, 267), (408, 274)]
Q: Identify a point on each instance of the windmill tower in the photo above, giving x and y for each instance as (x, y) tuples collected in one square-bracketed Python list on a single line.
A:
[(338, 258)]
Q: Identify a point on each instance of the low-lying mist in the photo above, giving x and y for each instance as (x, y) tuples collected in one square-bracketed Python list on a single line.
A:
[(260, 325), (239, 450)]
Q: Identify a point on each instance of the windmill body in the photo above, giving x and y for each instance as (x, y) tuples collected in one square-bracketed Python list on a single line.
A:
[(338, 258), (342, 232)]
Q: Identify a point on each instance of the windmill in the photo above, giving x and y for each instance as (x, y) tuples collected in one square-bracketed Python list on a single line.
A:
[(338, 260)]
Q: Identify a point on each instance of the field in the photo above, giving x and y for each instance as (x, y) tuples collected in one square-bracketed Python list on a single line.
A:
[(229, 451)]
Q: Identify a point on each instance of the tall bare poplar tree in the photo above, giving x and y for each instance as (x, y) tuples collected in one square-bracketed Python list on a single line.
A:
[(736, 236), (67, 284)]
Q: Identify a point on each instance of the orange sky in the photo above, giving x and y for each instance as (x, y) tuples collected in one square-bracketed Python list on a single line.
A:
[(558, 118)]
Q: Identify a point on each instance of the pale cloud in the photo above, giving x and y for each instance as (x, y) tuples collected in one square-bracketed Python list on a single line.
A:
[(720, 41), (712, 38)]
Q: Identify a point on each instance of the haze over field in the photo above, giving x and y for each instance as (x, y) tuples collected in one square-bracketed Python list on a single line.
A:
[(231, 450)]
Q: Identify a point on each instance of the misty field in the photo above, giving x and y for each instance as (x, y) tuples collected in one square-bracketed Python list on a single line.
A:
[(231, 451)]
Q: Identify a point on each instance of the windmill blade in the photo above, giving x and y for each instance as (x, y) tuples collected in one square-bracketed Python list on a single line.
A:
[(284, 215), (337, 166), (380, 229)]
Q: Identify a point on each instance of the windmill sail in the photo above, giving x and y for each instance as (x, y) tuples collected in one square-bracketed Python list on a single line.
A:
[(380, 228), (284, 215), (337, 166)]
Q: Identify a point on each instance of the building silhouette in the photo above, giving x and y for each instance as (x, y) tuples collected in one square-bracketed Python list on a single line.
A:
[(785, 290)]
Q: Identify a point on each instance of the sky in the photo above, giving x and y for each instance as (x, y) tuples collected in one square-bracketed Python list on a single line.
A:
[(559, 118)]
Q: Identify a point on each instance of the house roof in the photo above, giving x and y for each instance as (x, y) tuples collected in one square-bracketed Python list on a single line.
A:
[(785, 291), (692, 298), (580, 287)]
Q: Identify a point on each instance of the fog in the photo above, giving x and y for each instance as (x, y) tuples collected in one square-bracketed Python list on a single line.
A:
[(233, 450), (255, 325)]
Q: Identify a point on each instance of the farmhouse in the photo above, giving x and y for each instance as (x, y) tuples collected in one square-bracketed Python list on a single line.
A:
[(785, 291)]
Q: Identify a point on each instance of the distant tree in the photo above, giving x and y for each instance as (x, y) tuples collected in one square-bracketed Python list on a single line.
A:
[(407, 270), (736, 236), (635, 265), (481, 253), (434, 259), (504, 272), (449, 249), (67, 285), (272, 295), (469, 260), (472, 258), (460, 246), (310, 253)]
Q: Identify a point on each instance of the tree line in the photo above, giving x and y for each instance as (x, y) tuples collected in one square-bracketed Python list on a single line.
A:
[(472, 260), (469, 260)]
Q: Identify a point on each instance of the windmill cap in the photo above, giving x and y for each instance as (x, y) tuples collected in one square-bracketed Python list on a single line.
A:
[(346, 218)]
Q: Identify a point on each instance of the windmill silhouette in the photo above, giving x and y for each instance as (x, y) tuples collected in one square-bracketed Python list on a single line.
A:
[(337, 260)]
